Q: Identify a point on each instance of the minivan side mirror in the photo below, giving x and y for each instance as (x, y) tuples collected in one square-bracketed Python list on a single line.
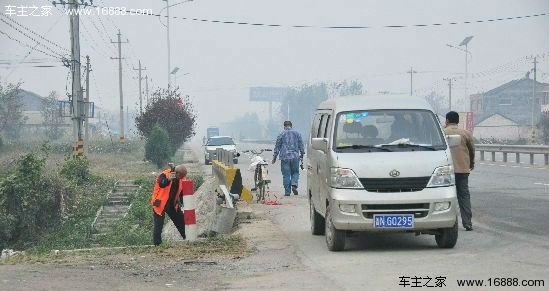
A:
[(453, 140), (319, 143)]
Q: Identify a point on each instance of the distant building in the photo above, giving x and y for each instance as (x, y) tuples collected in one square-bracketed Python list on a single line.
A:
[(32, 112), (506, 111), (34, 119)]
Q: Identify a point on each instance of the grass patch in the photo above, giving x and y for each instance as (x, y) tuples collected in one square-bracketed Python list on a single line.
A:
[(108, 163)]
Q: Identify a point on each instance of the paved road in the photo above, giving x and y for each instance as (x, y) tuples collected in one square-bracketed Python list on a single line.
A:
[(510, 240)]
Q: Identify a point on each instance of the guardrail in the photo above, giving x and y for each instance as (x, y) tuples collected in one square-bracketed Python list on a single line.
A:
[(513, 149)]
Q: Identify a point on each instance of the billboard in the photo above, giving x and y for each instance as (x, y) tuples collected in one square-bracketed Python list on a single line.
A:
[(275, 94), (466, 120)]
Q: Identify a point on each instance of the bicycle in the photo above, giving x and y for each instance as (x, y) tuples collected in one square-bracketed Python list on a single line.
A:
[(259, 166)]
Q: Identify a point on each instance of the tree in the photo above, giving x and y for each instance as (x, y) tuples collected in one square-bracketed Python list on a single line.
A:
[(301, 103), (245, 126), (52, 116), (345, 88), (438, 102), (157, 148), (11, 110), (173, 113)]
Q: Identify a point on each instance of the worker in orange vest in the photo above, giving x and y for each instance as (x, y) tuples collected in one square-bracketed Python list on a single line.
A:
[(166, 199)]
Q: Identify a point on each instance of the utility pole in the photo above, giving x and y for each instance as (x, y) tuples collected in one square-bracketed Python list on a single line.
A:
[(87, 99), (140, 98), (76, 95), (411, 72), (120, 85), (147, 89), (533, 138), (75, 102), (449, 93)]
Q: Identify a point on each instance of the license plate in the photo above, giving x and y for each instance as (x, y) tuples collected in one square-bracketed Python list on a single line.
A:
[(393, 220)]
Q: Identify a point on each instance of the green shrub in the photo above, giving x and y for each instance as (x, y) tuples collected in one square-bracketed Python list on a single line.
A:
[(76, 170), (198, 180), (157, 148), (20, 198)]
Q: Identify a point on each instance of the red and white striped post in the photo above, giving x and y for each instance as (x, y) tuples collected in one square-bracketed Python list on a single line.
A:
[(189, 206)]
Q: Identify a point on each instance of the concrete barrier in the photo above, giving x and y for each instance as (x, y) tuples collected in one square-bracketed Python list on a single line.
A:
[(232, 178), (224, 220)]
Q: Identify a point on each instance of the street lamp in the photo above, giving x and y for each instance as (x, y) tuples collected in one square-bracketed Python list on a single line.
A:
[(168, 32), (464, 43), (174, 73), (467, 54), (168, 38)]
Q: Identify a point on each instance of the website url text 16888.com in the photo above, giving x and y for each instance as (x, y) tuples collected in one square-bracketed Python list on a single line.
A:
[(108, 11), (46, 10), (441, 281)]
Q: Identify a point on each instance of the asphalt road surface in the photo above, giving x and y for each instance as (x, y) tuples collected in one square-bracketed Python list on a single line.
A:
[(508, 248)]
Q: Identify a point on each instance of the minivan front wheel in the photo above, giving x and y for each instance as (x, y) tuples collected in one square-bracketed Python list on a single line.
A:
[(447, 238), (317, 221), (335, 238)]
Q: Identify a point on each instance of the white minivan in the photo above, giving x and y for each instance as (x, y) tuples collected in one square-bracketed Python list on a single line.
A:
[(380, 163)]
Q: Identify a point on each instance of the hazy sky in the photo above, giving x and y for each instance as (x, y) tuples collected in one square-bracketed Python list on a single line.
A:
[(219, 61)]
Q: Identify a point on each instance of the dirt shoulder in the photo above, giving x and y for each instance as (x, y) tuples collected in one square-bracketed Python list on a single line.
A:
[(265, 261)]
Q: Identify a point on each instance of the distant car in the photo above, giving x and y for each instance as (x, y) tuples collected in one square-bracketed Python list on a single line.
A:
[(215, 142)]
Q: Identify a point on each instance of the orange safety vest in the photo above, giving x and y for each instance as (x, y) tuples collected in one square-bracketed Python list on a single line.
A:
[(164, 193)]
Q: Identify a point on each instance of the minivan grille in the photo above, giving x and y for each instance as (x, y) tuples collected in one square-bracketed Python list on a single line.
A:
[(394, 184), (417, 209)]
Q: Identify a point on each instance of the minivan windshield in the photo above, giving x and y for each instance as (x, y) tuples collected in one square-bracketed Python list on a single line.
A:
[(388, 130), (218, 141)]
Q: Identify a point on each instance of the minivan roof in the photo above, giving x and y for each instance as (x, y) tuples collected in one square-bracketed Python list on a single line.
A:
[(372, 102)]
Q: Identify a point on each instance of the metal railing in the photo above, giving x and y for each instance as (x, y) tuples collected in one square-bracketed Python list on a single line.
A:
[(513, 149)]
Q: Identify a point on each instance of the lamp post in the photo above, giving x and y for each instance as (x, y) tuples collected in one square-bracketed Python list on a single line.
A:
[(168, 40), (464, 42), (467, 53), (168, 33)]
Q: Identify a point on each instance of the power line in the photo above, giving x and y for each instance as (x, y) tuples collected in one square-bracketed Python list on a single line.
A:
[(340, 27), (353, 27), (65, 50), (31, 47)]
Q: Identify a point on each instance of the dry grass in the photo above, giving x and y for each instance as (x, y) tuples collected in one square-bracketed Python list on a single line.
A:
[(109, 160)]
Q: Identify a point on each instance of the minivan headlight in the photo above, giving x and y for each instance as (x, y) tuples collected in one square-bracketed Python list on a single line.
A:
[(344, 178), (442, 177)]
